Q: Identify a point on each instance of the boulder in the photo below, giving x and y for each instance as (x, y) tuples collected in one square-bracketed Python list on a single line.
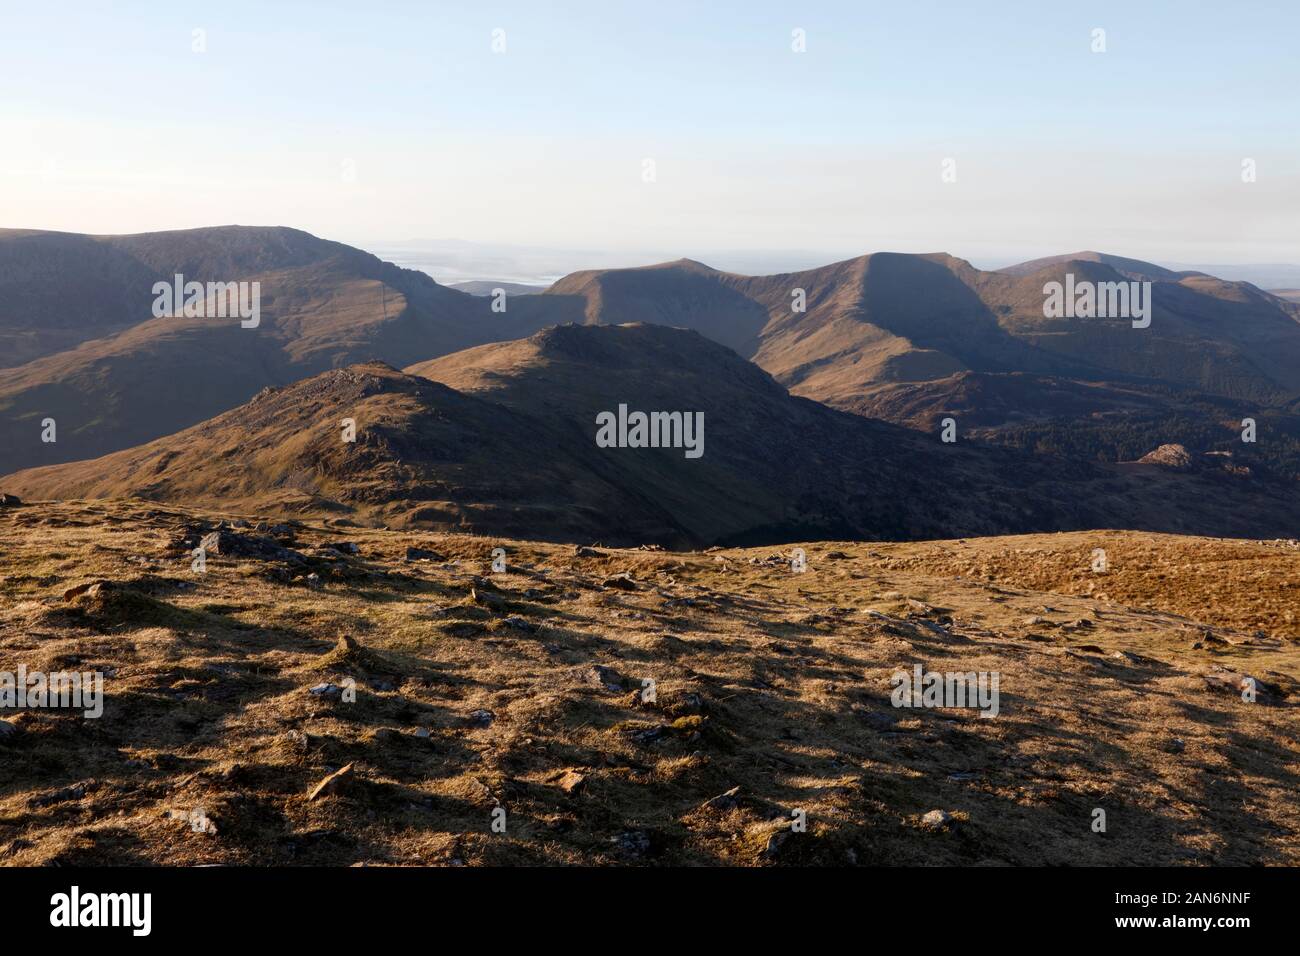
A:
[(332, 784), (423, 554), (936, 819), (1172, 456)]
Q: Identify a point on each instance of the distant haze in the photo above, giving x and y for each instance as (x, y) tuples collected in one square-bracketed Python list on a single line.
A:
[(451, 261)]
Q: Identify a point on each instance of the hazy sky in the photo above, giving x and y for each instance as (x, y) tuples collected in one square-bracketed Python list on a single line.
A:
[(391, 121)]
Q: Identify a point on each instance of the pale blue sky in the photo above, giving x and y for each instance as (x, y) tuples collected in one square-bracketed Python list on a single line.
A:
[(388, 121)]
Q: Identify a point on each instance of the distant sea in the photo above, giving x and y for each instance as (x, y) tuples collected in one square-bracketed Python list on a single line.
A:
[(448, 269)]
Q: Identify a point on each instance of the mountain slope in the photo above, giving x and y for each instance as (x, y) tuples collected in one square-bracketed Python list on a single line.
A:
[(890, 317), (131, 377), (899, 337), (423, 455), (58, 290), (510, 448), (820, 467), (886, 335)]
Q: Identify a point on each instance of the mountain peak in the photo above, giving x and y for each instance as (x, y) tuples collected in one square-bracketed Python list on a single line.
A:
[(693, 264), (1132, 268)]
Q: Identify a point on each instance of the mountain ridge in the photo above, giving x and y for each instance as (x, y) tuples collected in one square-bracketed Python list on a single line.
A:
[(500, 439), (889, 335)]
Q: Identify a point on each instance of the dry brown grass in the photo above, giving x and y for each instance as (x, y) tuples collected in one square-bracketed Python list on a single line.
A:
[(773, 682)]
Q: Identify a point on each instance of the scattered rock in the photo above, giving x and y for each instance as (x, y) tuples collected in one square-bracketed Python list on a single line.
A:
[(633, 843), (79, 589), (480, 718), (684, 704), (622, 581), (934, 628), (9, 501), (74, 792), (772, 849), (582, 551), (111, 603), (836, 556), (233, 544), (1230, 682), (332, 784), (1172, 456), (355, 660), (423, 554), (723, 801), (648, 735), (8, 731), (345, 651), (265, 527), (572, 781), (1090, 658), (937, 819), (605, 677), (481, 595), (1137, 659)]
